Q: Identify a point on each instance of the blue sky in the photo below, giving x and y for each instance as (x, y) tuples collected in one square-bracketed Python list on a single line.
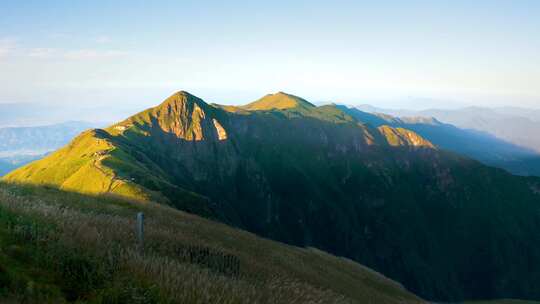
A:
[(412, 54)]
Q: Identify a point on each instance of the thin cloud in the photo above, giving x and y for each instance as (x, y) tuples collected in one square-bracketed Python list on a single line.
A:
[(59, 35), (43, 53), (102, 39), (10, 47), (79, 54), (85, 54), (7, 47)]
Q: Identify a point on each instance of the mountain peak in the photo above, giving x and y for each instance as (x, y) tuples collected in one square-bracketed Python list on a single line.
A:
[(182, 114), (183, 93), (181, 99), (278, 101)]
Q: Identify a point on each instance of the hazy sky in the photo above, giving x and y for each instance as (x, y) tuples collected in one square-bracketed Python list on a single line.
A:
[(388, 53)]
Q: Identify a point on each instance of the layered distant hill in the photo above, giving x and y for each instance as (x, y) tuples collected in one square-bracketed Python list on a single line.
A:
[(11, 162), (43, 113), (515, 125), (444, 225), (510, 124), (40, 138), (21, 145), (5, 167), (502, 137)]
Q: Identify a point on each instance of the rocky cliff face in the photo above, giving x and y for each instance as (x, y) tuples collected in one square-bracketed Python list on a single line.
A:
[(399, 137), (182, 115)]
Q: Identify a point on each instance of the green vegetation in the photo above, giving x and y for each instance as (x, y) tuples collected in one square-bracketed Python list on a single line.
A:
[(401, 137), (278, 101), (59, 247), (447, 227)]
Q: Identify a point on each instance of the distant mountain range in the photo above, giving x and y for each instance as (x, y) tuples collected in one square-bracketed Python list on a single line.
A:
[(364, 186), (511, 124), (5, 167), (504, 137), (21, 145), (9, 163), (40, 138), (44, 114)]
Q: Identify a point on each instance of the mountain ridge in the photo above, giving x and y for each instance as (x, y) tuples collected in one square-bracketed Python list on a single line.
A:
[(477, 143)]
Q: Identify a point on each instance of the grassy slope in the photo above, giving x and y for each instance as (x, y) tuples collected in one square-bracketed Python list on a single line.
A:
[(278, 101), (80, 166), (58, 245)]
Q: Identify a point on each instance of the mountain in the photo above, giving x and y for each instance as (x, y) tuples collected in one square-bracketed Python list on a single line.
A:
[(12, 162), (45, 113), (475, 144), (34, 114), (513, 125), (5, 167), (21, 145), (532, 114), (278, 101), (188, 133), (445, 226), (488, 135), (40, 138), (512, 128)]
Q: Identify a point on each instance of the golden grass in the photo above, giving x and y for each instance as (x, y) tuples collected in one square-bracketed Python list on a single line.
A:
[(269, 272)]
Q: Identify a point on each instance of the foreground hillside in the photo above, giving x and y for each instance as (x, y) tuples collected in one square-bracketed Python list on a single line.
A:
[(447, 227), (58, 246)]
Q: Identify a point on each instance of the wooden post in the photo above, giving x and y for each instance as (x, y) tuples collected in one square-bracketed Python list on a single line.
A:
[(140, 232)]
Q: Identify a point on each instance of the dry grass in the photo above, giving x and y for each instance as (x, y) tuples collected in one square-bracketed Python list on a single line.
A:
[(90, 241)]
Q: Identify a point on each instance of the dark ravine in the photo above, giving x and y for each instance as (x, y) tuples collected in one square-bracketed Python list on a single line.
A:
[(447, 227)]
